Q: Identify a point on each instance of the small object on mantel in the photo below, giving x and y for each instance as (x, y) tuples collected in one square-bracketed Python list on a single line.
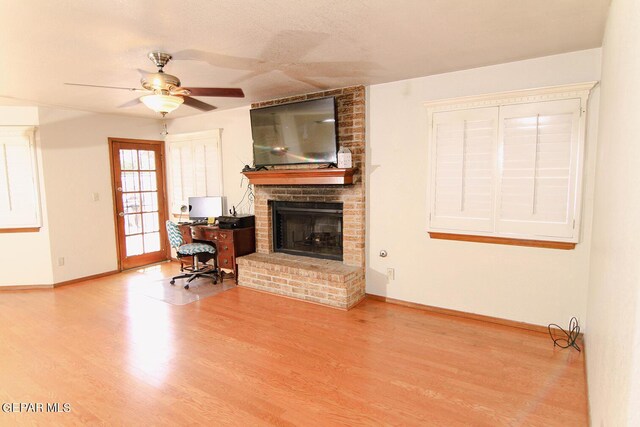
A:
[(323, 176), (344, 158)]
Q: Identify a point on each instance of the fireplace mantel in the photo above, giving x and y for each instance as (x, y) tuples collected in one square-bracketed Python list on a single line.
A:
[(324, 176)]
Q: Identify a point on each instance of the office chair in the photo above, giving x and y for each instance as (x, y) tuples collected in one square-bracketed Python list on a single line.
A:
[(196, 251)]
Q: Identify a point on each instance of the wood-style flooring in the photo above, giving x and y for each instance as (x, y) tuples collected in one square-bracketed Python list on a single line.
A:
[(247, 358)]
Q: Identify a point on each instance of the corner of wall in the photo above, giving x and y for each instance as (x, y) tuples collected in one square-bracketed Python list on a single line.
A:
[(613, 362)]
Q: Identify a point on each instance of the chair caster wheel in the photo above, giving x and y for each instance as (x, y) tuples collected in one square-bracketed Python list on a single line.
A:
[(173, 282), (186, 286), (215, 282)]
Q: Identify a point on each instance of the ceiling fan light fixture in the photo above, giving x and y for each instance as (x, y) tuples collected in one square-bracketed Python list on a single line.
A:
[(162, 103), (165, 93)]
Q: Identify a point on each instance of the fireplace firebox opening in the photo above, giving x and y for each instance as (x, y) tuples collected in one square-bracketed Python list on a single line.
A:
[(307, 228)]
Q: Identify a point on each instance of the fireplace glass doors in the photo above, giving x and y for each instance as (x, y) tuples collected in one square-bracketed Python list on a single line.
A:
[(308, 228)]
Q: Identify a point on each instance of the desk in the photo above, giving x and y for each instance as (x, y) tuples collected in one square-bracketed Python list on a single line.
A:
[(230, 244)]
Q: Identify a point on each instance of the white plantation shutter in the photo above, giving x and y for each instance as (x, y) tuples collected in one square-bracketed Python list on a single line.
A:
[(19, 198), (195, 163), (207, 178), (539, 144), (463, 159), (508, 165), (180, 161)]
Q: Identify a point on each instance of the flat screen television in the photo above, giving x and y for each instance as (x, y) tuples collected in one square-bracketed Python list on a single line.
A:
[(295, 133), (201, 208)]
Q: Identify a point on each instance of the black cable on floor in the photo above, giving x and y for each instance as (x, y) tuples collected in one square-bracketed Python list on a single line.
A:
[(571, 335)]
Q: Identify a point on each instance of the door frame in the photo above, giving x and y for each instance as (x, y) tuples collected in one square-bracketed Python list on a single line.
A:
[(162, 204)]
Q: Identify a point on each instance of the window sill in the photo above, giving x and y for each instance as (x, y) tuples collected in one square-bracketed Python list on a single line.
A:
[(503, 241), (20, 230)]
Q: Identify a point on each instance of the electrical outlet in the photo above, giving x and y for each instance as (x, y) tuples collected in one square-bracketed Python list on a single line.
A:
[(391, 273), (95, 197), (60, 261)]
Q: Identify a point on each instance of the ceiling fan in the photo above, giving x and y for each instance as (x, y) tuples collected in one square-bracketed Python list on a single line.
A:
[(164, 93)]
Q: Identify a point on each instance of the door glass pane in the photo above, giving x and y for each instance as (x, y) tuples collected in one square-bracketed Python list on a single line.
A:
[(151, 242), (128, 159), (148, 181), (131, 202), (147, 160), (149, 202), (133, 224), (134, 245), (151, 222), (130, 181), (140, 201)]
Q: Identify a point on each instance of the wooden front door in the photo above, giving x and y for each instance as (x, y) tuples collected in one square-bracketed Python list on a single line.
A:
[(139, 200)]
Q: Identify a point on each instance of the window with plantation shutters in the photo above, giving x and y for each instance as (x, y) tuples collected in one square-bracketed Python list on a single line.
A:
[(19, 196), (463, 168), (508, 165), (194, 167), (539, 146)]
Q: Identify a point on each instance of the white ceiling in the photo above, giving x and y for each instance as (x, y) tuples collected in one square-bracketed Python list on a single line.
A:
[(269, 48)]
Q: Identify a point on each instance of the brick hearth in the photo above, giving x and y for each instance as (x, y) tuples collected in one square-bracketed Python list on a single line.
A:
[(333, 283), (322, 281)]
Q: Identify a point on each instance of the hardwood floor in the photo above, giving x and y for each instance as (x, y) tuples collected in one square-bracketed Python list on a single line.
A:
[(248, 358)]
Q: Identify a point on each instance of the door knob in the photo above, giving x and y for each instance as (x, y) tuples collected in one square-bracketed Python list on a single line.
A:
[(121, 213), (119, 189)]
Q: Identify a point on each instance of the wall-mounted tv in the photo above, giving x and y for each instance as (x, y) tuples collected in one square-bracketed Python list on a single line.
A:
[(295, 133)]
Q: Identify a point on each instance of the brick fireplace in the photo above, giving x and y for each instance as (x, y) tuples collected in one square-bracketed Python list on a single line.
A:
[(331, 282)]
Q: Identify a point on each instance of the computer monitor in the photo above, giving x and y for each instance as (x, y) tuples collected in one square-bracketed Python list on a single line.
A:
[(202, 208)]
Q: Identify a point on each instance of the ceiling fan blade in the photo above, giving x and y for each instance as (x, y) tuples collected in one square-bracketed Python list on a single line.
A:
[(108, 87), (218, 60), (180, 91), (226, 92), (302, 79), (202, 106), (131, 103), (250, 76)]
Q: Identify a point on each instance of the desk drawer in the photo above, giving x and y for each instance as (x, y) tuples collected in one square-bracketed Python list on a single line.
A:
[(224, 247), (197, 233), (209, 234), (204, 233), (225, 236), (226, 261)]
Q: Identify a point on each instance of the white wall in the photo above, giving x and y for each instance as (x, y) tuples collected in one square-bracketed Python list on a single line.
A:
[(236, 145), (75, 161), (25, 258), (613, 338), (532, 285)]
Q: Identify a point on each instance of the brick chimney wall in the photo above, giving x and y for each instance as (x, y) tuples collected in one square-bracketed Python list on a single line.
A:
[(351, 134)]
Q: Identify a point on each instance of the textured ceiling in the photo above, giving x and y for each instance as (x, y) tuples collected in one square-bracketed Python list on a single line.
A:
[(269, 48)]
